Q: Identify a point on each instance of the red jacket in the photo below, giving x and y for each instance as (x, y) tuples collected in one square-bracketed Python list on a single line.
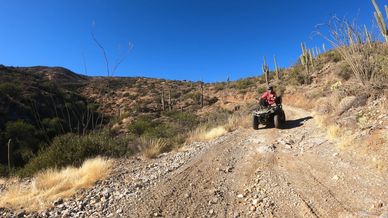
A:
[(269, 97)]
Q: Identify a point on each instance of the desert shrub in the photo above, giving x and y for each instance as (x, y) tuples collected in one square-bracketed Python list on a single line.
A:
[(243, 84), (296, 77), (52, 126), (10, 89), (184, 119), (344, 72), (261, 90), (217, 118), (24, 139), (331, 56), (3, 170), (141, 125), (212, 100), (72, 149), (219, 86)]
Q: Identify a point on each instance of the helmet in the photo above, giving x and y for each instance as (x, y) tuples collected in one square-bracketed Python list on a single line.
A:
[(270, 88)]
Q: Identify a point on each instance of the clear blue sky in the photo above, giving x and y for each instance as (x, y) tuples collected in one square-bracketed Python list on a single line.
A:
[(173, 39)]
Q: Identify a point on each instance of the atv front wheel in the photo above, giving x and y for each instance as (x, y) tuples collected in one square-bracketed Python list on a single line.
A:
[(277, 121), (255, 123)]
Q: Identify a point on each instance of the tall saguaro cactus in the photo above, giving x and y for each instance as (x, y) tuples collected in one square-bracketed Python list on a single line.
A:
[(162, 100), (277, 71), (202, 91), (306, 58), (307, 61), (10, 156), (380, 20), (265, 69), (169, 99)]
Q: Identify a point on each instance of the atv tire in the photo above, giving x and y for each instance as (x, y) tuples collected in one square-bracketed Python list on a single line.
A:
[(277, 121), (283, 117), (255, 123)]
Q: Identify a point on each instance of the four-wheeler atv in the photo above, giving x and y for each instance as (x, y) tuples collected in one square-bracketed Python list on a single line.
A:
[(272, 115)]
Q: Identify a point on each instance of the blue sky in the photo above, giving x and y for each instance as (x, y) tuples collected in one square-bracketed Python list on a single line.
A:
[(172, 39)]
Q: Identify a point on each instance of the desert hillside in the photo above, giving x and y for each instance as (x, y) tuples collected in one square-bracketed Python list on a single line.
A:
[(94, 146)]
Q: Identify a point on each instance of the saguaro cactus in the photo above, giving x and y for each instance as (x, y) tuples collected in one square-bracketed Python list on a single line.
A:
[(162, 100), (277, 71), (265, 69), (202, 90), (10, 156), (306, 58), (380, 20), (169, 99)]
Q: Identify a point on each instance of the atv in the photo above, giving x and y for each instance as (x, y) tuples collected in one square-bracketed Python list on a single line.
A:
[(272, 115)]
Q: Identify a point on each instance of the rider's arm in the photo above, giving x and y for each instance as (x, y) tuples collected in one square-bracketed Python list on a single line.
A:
[(264, 96)]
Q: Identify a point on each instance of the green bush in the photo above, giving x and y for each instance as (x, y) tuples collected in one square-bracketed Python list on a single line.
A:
[(244, 84), (3, 171), (345, 72), (10, 89), (24, 139), (72, 149), (141, 125)]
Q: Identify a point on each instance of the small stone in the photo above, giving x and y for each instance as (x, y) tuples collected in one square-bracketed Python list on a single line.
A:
[(335, 177), (58, 201), (187, 195), (119, 210), (240, 196), (252, 208), (211, 211), (214, 200), (20, 213), (335, 154), (236, 215)]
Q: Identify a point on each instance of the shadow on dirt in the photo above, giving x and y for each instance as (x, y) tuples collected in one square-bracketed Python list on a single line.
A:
[(290, 124)]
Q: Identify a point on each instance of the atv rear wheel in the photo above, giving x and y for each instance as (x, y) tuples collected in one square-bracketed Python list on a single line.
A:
[(276, 121), (255, 123), (283, 118)]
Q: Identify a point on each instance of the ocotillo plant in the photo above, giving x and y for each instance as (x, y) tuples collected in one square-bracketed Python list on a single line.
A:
[(368, 36), (265, 69), (277, 71), (380, 20)]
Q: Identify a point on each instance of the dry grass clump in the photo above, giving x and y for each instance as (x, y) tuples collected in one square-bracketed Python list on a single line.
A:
[(153, 147), (238, 120), (204, 133), (333, 131), (53, 184)]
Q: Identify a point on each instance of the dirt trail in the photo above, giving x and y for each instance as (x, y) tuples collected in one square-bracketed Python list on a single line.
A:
[(293, 172)]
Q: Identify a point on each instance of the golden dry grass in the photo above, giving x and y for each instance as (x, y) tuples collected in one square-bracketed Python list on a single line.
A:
[(333, 131), (203, 133), (52, 184), (153, 147)]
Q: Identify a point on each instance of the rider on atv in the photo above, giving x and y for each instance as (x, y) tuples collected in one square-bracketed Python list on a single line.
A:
[(268, 98)]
